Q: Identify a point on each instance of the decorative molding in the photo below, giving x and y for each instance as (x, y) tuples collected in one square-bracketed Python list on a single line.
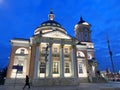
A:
[(57, 34), (53, 40)]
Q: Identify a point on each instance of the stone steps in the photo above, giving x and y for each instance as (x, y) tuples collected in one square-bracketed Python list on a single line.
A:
[(99, 80)]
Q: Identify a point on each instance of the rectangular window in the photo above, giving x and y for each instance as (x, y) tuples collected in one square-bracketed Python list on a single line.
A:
[(42, 67), (55, 67), (66, 50), (20, 64), (67, 67), (80, 68)]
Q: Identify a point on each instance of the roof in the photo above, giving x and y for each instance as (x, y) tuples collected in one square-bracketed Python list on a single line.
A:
[(21, 39)]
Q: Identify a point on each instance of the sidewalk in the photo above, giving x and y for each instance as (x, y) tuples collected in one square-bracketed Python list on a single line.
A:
[(82, 86)]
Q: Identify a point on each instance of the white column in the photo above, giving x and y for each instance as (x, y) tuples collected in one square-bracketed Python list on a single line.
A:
[(36, 67), (61, 62), (50, 62), (73, 62)]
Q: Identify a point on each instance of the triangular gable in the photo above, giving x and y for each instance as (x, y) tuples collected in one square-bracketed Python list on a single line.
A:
[(57, 34)]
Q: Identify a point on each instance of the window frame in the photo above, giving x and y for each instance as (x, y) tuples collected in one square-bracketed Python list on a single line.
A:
[(67, 67), (42, 67), (80, 68), (55, 68)]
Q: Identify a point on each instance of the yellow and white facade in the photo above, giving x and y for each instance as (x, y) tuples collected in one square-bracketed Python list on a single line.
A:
[(52, 57)]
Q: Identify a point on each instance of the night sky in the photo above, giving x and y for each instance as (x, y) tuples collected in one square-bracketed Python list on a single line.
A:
[(19, 18)]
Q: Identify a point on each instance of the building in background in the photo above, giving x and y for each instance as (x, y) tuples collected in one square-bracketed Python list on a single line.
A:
[(52, 57)]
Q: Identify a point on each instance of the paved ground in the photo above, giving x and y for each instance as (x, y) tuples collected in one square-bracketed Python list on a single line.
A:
[(82, 86)]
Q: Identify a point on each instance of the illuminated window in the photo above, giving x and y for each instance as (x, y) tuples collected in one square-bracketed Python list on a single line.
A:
[(55, 67), (80, 68), (66, 50), (67, 67), (42, 67), (48, 23), (21, 51)]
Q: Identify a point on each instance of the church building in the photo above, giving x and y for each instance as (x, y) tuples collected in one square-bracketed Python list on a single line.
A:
[(52, 57)]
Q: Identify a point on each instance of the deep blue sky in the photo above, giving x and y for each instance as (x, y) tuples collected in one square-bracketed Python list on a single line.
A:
[(19, 18)]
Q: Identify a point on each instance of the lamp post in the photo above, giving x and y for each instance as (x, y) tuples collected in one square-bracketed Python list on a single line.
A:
[(46, 55)]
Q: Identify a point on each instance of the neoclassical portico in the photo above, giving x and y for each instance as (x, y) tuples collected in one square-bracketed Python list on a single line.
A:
[(60, 60)]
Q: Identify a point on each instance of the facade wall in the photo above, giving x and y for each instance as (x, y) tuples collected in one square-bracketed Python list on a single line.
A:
[(13, 61)]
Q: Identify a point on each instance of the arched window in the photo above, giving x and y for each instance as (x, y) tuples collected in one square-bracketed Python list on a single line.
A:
[(21, 51), (80, 54)]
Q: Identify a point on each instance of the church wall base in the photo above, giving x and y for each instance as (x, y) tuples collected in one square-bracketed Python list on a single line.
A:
[(55, 82), (84, 80), (12, 81), (47, 81)]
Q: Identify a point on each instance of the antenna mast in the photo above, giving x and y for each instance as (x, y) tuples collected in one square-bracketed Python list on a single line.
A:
[(110, 53)]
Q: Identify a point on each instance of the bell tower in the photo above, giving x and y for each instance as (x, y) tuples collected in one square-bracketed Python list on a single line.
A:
[(82, 31)]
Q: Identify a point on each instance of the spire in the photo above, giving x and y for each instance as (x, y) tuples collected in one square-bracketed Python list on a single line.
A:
[(51, 15), (81, 19)]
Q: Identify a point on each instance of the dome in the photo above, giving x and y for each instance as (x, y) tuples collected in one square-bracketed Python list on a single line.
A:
[(49, 25), (50, 21)]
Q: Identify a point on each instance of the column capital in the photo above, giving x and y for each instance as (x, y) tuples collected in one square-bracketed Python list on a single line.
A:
[(38, 44), (49, 44), (73, 46)]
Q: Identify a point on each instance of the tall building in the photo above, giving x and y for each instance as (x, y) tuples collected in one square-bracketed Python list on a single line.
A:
[(52, 57)]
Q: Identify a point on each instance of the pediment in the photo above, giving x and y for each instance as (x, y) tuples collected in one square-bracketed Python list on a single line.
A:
[(57, 34)]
